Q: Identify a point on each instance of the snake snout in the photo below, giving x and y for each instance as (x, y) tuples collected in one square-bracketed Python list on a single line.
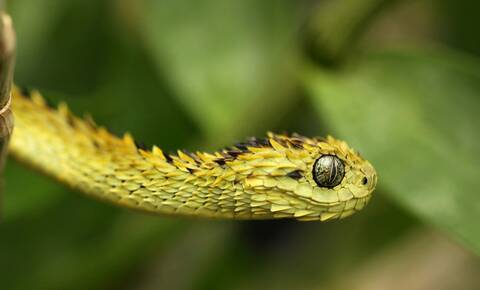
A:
[(370, 177)]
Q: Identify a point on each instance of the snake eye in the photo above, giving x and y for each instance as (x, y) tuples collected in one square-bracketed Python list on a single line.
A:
[(328, 171)]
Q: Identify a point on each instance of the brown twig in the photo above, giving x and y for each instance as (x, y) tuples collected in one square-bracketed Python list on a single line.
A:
[(7, 59)]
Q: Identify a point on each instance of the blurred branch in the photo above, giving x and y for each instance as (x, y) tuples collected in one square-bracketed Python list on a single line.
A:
[(7, 58)]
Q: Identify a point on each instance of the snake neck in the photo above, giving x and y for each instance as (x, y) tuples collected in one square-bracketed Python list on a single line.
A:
[(90, 159)]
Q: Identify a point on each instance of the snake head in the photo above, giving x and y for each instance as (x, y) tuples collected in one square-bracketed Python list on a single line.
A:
[(305, 178)]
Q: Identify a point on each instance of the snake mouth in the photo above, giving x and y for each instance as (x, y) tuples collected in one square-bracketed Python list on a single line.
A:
[(343, 210)]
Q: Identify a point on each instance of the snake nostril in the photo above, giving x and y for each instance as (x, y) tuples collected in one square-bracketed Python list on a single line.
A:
[(364, 180)]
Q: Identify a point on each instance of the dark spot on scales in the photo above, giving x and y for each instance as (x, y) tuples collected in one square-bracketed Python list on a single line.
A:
[(234, 153), (263, 142), (140, 145), (252, 142), (242, 147), (320, 139), (297, 143), (297, 174), (169, 158)]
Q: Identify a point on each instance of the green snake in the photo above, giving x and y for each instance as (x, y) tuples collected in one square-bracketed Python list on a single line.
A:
[(279, 176)]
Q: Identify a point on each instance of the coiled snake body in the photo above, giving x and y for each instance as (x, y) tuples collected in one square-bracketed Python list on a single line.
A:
[(278, 176)]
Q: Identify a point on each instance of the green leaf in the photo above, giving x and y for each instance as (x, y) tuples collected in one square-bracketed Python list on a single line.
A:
[(64, 248), (34, 23), (49, 37), (458, 23), (336, 25), (21, 198), (415, 116), (229, 62)]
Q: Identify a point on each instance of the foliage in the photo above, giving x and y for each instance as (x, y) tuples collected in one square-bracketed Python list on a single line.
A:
[(189, 74)]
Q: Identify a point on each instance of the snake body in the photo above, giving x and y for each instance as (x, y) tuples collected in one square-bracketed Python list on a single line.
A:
[(265, 178)]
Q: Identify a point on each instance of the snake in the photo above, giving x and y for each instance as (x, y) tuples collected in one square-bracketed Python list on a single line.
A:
[(273, 177)]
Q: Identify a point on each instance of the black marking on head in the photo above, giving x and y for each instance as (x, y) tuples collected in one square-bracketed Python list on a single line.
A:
[(282, 141), (242, 147), (220, 161), (297, 142), (291, 140), (263, 142), (191, 170), (234, 153), (294, 140), (297, 174), (252, 142)]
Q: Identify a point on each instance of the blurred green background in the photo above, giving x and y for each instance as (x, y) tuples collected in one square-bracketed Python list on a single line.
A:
[(399, 80)]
